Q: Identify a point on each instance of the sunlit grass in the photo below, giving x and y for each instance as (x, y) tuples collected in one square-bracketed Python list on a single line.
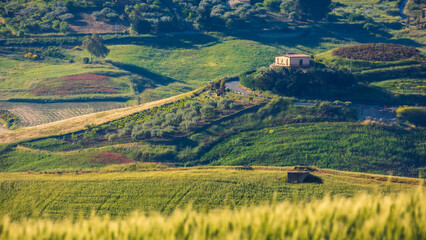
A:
[(363, 217), (403, 86)]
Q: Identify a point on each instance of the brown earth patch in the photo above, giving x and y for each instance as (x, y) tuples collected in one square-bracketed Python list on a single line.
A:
[(86, 24), (79, 84), (378, 52)]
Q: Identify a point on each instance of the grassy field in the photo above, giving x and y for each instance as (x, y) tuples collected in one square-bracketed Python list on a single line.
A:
[(120, 193), (178, 68), (196, 66), (362, 217), (358, 65), (19, 77), (397, 80), (403, 86), (343, 146)]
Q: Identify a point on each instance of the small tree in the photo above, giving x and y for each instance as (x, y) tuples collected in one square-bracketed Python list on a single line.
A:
[(272, 5), (311, 9), (95, 46)]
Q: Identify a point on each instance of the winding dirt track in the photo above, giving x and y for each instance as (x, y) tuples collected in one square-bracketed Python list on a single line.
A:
[(79, 123)]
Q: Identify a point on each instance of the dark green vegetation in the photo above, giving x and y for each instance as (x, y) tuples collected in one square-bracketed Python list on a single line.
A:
[(57, 195), (21, 18), (9, 120), (95, 46), (326, 84), (305, 9), (415, 115), (314, 83), (414, 14)]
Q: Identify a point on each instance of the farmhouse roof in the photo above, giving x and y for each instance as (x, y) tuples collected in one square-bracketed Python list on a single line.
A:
[(293, 55)]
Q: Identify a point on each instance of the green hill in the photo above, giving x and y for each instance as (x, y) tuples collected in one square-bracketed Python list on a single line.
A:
[(343, 146)]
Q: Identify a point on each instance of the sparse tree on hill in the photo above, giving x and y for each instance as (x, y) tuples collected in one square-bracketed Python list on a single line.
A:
[(95, 46), (311, 9)]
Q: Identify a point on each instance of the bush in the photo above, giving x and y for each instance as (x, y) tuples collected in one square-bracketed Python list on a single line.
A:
[(112, 137), (9, 119), (86, 60), (314, 82), (272, 5), (415, 115), (64, 27)]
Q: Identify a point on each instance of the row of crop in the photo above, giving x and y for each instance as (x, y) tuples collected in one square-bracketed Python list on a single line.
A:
[(364, 217)]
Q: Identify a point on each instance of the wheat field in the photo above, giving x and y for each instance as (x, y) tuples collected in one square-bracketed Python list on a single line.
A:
[(362, 217)]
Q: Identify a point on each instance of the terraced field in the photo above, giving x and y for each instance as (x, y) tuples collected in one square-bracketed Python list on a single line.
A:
[(33, 114)]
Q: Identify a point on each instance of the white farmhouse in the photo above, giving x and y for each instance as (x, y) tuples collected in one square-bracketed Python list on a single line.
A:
[(292, 61)]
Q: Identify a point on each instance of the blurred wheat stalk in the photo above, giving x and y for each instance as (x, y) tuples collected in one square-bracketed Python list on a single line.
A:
[(401, 216)]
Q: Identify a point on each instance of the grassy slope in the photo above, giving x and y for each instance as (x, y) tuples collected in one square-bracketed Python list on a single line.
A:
[(196, 66), (24, 159), (20, 76), (403, 86), (56, 196), (193, 66), (343, 146), (357, 65)]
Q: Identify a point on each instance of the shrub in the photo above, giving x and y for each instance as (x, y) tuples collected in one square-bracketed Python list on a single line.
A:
[(112, 137), (9, 119), (272, 5), (86, 60), (415, 115)]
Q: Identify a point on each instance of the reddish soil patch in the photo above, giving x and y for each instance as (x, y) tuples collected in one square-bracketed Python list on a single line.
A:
[(86, 24), (378, 52), (80, 84), (110, 158)]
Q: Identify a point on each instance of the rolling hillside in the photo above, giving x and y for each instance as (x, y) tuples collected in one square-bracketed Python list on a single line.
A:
[(55, 195), (79, 123)]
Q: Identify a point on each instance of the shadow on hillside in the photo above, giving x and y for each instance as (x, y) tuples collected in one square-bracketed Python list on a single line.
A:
[(313, 179), (185, 40), (145, 73), (319, 35)]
